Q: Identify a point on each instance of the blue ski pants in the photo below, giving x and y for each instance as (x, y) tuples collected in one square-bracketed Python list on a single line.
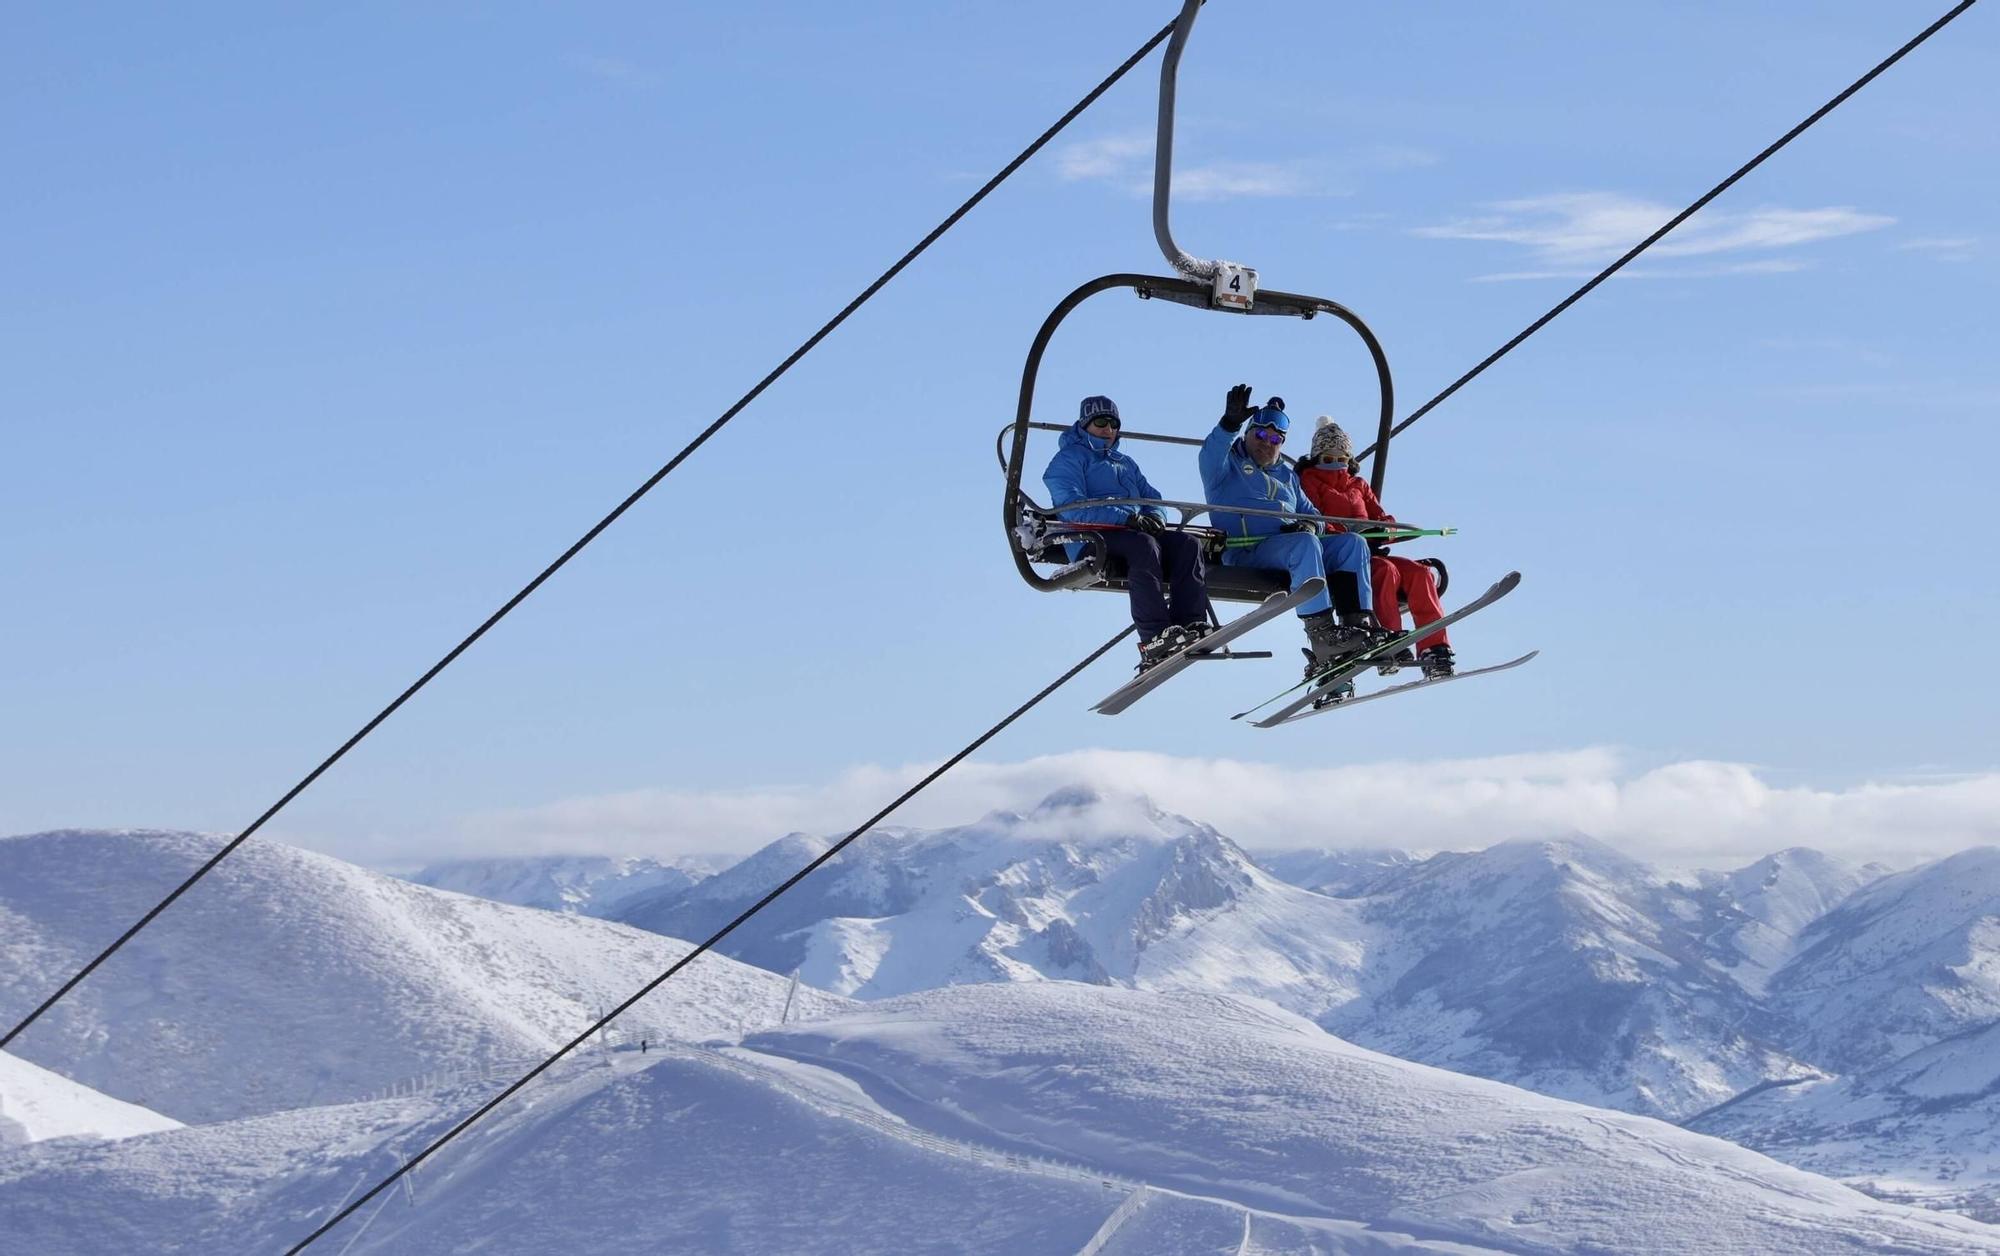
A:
[(1304, 556)]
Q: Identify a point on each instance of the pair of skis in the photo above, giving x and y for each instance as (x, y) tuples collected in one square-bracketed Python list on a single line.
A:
[(1209, 646), (1321, 692), (1327, 690)]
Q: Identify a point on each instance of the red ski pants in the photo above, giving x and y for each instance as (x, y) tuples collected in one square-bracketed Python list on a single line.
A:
[(1411, 581)]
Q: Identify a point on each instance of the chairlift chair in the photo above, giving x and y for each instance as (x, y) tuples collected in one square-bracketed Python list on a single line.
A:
[(1037, 535)]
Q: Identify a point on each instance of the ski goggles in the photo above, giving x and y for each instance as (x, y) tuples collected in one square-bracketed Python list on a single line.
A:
[(1269, 435), (1102, 420)]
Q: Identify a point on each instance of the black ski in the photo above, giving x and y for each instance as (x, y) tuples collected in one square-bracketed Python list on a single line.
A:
[(1342, 703), (1166, 669), (1355, 664)]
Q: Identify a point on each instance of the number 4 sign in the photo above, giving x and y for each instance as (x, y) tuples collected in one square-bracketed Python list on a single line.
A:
[(1235, 286)]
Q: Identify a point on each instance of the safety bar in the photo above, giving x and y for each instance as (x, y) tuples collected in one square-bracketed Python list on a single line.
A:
[(1000, 440), (1190, 509)]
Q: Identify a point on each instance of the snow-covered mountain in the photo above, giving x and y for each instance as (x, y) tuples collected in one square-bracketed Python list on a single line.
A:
[(36, 1104), (1908, 961), (1925, 1128), (600, 885), (1231, 1098), (1184, 1123), (1568, 968), (698, 912), (1083, 887), (1334, 873), (288, 978), (1775, 900), (1562, 966)]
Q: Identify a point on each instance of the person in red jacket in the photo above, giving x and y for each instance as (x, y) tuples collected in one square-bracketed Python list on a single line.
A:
[(1327, 475)]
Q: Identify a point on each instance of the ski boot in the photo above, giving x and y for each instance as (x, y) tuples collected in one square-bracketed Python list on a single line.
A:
[(1333, 640), (1437, 662), (1390, 664), (1159, 647), (1191, 634)]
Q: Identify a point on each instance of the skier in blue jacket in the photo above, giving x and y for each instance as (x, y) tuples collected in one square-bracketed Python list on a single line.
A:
[(1246, 470), (1164, 570)]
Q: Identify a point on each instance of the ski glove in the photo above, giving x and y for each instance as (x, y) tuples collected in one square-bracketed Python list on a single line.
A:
[(1143, 522), (1237, 409), (1298, 525)]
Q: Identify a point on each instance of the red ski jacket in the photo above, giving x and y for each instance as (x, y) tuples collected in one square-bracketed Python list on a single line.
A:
[(1334, 490)]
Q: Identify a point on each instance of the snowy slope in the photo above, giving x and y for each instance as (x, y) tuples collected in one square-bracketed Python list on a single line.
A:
[(1905, 962), (1924, 1128), (697, 912), (36, 1104), (1234, 1099), (1778, 898), (1084, 887), (1334, 873), (690, 1153), (288, 978), (1563, 966), (588, 885), (1201, 1124), (1567, 968)]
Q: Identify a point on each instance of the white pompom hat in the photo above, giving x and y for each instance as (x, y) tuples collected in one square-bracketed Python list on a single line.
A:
[(1330, 442)]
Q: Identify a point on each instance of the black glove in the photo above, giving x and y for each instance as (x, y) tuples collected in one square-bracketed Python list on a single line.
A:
[(1149, 524), (1237, 410), (1298, 525)]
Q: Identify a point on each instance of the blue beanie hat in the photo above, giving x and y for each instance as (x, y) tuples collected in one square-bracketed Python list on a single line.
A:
[(1094, 406)]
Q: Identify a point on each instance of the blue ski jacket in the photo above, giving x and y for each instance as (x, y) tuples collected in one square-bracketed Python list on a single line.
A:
[(1087, 466), (1230, 477)]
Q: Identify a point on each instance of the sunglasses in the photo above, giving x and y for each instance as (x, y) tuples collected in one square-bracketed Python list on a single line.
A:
[(1104, 420), (1269, 435)]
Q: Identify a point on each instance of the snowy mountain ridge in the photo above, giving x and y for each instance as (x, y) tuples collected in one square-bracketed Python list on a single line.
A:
[(288, 978), (36, 1104), (1246, 1129), (1564, 966), (590, 885)]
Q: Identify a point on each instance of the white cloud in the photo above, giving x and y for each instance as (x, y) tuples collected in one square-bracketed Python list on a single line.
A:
[(1126, 162), (1227, 180), (1578, 233), (1688, 813), (1943, 248), (1765, 266), (1114, 157)]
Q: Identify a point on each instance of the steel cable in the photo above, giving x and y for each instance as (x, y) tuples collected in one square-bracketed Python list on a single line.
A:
[(708, 943), (526, 590), (1673, 222)]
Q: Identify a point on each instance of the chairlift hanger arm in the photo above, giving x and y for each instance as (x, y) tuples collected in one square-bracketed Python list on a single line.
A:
[(1163, 151), (1230, 286)]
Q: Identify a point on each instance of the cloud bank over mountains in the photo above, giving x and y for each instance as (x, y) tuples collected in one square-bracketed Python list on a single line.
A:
[(1689, 813)]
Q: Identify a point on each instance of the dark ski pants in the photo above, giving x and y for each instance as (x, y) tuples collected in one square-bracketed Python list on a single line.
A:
[(1165, 576)]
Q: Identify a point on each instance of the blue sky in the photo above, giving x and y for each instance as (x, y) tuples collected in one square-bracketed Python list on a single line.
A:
[(329, 328)]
